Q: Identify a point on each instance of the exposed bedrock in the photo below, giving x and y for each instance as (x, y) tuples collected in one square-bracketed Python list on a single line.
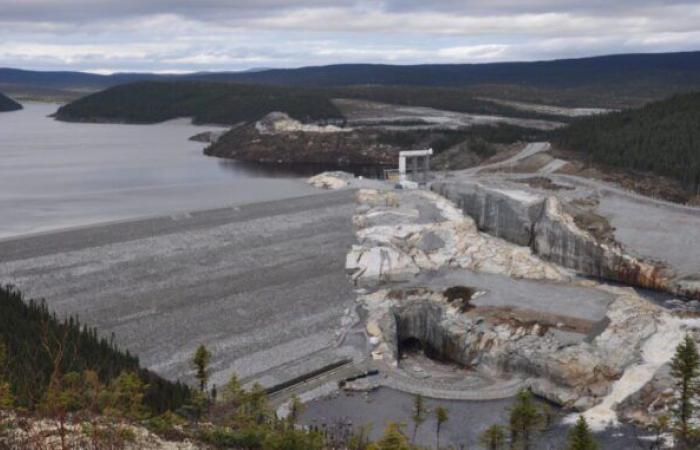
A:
[(562, 231), (575, 373), (507, 214)]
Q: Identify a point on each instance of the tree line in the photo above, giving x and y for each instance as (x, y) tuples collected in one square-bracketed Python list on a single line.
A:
[(41, 349), (231, 103), (662, 137)]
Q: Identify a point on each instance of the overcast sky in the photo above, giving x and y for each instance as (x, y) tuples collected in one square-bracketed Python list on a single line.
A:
[(197, 35)]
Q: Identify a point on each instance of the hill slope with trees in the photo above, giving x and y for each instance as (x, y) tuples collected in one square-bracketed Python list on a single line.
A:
[(157, 101), (230, 103), (603, 81), (42, 350), (7, 104), (662, 137)]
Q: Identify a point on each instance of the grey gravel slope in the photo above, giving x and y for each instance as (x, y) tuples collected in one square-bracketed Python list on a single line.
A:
[(262, 285)]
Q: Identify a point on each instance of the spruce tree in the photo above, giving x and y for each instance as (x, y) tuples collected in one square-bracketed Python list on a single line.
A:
[(525, 420), (392, 439), (493, 438), (440, 418), (581, 437), (418, 415), (685, 369), (200, 363)]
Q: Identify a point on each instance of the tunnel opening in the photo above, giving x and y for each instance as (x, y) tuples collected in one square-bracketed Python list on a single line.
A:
[(421, 337), (412, 348)]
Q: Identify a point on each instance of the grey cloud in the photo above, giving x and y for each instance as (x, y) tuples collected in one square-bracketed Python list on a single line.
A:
[(182, 35)]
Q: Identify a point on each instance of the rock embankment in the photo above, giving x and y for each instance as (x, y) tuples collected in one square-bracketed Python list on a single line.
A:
[(567, 228)]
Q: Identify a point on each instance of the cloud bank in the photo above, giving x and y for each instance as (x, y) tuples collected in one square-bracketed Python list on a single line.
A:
[(181, 36)]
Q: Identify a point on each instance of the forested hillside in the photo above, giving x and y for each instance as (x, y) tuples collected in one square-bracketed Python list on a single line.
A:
[(662, 137), (227, 103), (7, 104), (611, 81), (448, 99), (40, 351), (151, 102)]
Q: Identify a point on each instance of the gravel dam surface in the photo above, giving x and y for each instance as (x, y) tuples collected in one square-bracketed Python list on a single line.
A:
[(262, 285)]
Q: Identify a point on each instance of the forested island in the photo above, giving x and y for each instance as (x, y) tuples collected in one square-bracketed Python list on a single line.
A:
[(208, 103), (7, 104), (662, 137)]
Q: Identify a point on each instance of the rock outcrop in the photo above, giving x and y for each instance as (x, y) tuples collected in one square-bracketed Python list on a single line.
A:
[(576, 376), (401, 235), (534, 322), (563, 228)]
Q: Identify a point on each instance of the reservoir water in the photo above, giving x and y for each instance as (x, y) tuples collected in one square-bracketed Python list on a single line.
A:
[(55, 174)]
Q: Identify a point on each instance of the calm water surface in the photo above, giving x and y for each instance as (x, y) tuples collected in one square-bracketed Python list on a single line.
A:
[(55, 174)]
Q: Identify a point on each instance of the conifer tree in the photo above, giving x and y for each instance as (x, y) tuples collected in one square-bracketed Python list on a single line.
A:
[(441, 416), (392, 439), (418, 414), (581, 437), (493, 438), (6, 397), (525, 420), (200, 363), (685, 369)]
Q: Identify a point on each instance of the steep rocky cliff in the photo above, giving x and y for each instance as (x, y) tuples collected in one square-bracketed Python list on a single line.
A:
[(566, 228)]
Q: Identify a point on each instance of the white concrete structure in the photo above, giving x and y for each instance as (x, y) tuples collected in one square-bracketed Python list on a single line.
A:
[(414, 156)]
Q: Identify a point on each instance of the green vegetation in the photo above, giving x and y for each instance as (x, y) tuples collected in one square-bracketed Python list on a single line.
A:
[(441, 416), (200, 363), (493, 438), (580, 437), (7, 104), (685, 369), (448, 99), (228, 103), (525, 421), (44, 356), (157, 101), (661, 137), (418, 415)]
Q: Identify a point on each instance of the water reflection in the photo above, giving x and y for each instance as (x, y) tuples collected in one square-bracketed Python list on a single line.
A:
[(295, 170), (56, 174)]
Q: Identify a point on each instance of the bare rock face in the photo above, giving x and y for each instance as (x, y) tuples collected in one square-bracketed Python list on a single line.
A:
[(559, 239), (559, 229), (510, 214), (401, 233), (577, 376)]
